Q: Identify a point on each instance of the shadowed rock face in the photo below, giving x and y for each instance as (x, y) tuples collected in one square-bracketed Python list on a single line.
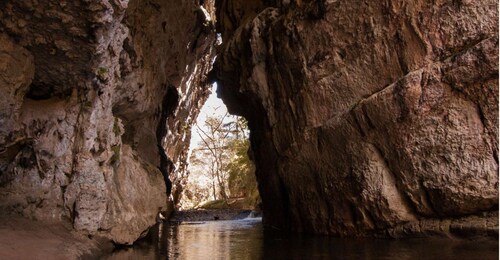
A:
[(92, 93), (368, 117)]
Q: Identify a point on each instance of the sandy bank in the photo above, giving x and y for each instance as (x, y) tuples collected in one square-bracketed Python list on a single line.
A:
[(26, 239)]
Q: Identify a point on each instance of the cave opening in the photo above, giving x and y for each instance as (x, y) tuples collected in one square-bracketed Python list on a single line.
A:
[(221, 173)]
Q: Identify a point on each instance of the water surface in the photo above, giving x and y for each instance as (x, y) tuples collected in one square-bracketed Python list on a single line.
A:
[(246, 239)]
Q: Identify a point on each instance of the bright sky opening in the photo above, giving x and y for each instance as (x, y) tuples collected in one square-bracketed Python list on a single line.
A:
[(213, 107)]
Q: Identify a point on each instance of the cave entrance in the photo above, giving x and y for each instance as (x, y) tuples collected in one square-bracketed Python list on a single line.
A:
[(221, 173)]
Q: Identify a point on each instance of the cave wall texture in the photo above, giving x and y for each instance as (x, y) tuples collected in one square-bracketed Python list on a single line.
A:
[(368, 117), (92, 92)]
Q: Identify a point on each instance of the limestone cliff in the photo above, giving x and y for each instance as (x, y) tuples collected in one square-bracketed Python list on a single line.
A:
[(368, 117), (93, 92)]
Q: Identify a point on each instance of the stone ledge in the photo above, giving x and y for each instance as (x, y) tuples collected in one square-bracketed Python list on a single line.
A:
[(468, 227)]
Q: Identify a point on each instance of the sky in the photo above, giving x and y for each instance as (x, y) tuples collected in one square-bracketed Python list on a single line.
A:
[(212, 107)]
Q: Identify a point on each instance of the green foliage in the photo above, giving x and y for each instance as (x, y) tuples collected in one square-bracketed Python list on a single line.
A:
[(222, 156), (116, 127), (240, 168), (102, 73), (184, 127), (214, 204), (115, 158), (102, 70), (241, 172)]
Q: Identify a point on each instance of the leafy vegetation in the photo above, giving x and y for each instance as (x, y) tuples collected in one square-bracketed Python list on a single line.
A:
[(241, 173), (214, 204), (221, 158), (115, 158)]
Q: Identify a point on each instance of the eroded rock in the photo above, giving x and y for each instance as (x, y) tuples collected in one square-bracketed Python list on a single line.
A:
[(84, 84), (366, 116)]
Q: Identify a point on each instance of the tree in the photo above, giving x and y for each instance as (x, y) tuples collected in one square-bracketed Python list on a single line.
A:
[(215, 138), (241, 172), (222, 156)]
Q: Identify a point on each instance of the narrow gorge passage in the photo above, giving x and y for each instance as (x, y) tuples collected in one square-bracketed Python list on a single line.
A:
[(221, 173), (366, 119)]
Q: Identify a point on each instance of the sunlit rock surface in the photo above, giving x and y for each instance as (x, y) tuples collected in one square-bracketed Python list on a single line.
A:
[(368, 117), (92, 91)]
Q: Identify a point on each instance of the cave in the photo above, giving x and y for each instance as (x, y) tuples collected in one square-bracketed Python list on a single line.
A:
[(383, 124)]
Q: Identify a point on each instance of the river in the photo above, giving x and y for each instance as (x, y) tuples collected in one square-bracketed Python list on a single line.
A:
[(246, 239)]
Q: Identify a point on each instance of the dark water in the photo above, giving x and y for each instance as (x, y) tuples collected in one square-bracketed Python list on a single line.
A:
[(246, 239)]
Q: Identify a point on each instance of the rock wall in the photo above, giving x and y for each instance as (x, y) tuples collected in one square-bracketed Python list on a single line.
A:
[(368, 117), (93, 93)]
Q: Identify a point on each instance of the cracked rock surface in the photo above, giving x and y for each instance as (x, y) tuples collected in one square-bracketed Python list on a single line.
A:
[(367, 117), (93, 95)]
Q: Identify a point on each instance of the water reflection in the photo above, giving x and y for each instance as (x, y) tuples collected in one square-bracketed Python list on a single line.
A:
[(217, 240), (278, 246), (246, 239)]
